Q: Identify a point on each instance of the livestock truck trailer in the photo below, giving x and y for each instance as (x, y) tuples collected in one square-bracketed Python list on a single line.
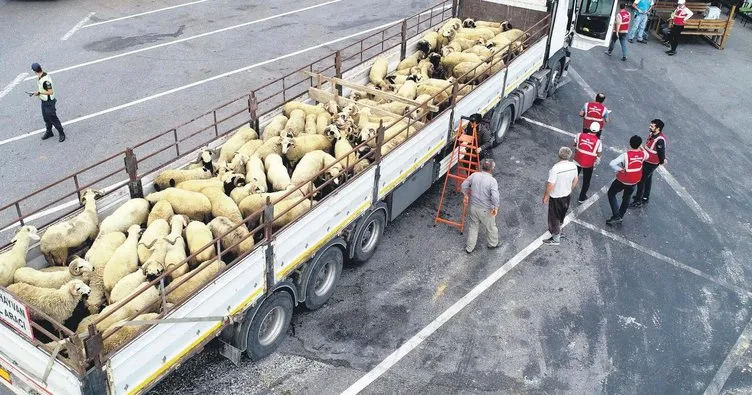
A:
[(247, 303)]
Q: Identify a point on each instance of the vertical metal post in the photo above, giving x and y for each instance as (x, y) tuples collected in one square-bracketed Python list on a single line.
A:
[(78, 187), (268, 219), (177, 145), (20, 216), (377, 160), (455, 8), (403, 37), (135, 187), (338, 69), (216, 129), (94, 345), (253, 111), (284, 88)]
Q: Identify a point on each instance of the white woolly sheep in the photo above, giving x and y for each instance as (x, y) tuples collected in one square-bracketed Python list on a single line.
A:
[(242, 136), (77, 269), (15, 259), (123, 261), (331, 107), (440, 95), (65, 235), (58, 304), (311, 164), (455, 58), (411, 60), (183, 287), (452, 24), (271, 146), (127, 285), (409, 88), (252, 204), (146, 302), (238, 194), (172, 177), (193, 204), (162, 209), (294, 209), (237, 164), (176, 246), (310, 123), (476, 33), (197, 234), (307, 108), (250, 147), (157, 230), (295, 148), (483, 52), (124, 334), (98, 255), (222, 226), (222, 205), (255, 174), (378, 71), (274, 127), (322, 121), (195, 186), (132, 212), (466, 71), (276, 172), (155, 265), (296, 123)]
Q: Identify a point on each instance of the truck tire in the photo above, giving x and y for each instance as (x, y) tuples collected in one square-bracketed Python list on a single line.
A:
[(502, 124), (269, 325), (369, 236), (323, 278), (555, 79)]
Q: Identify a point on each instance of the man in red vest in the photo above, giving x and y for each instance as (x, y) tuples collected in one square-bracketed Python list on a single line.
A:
[(678, 18), (655, 146), (621, 29), (594, 112), (628, 168), (587, 154)]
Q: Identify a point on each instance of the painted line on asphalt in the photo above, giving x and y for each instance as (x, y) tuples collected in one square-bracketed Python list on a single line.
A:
[(549, 127), (589, 90), (142, 13), (730, 362), (77, 66), (458, 306), (197, 83), (671, 261), (78, 26), (684, 195), (13, 84)]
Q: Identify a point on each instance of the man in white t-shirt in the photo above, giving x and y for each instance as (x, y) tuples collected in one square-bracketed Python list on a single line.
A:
[(562, 178)]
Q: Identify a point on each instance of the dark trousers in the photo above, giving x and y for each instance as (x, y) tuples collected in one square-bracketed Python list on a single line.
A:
[(616, 187), (587, 172), (622, 41), (643, 187), (49, 114), (557, 210), (675, 32)]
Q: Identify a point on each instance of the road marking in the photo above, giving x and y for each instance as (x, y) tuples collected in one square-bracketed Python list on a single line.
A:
[(442, 319), (582, 82), (188, 38), (549, 127), (197, 83), (684, 195), (142, 14), (13, 84), (730, 362), (671, 261), (78, 26)]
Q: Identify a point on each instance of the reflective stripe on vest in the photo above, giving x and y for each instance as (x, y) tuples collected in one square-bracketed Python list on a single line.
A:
[(625, 18), (594, 112), (40, 88), (649, 147), (587, 150), (632, 173), (679, 16)]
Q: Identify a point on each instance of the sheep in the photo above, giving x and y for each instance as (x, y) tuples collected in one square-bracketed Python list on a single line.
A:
[(274, 127), (378, 71), (132, 212), (176, 246), (162, 209), (98, 255), (483, 52), (440, 95), (455, 58), (62, 236), (331, 107), (222, 205), (467, 71), (311, 164), (394, 107), (125, 334), (250, 147), (237, 164), (155, 265), (411, 60), (429, 42), (193, 204), (271, 146), (476, 33), (252, 204), (238, 194), (76, 270), (452, 46), (242, 136), (123, 261), (452, 24), (171, 177), (157, 230), (292, 209), (276, 173), (15, 259), (127, 285), (295, 148), (197, 234), (310, 123), (255, 174), (511, 35), (307, 108), (409, 88), (183, 287), (195, 186), (322, 121), (145, 302), (222, 226), (297, 122), (342, 148), (58, 304)]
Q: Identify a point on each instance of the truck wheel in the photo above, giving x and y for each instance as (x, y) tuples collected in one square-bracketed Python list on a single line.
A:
[(503, 124), (325, 271), (369, 236), (269, 325), (555, 79)]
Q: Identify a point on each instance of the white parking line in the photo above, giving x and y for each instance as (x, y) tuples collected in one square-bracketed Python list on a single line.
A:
[(549, 127), (730, 362), (77, 66), (442, 319), (13, 84), (197, 83), (582, 82), (78, 26), (143, 13), (684, 195)]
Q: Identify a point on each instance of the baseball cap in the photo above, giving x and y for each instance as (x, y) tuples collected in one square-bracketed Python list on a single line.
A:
[(36, 67), (595, 127), (681, 1)]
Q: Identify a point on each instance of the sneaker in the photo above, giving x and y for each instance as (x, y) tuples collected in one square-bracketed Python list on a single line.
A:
[(645, 200), (582, 200), (613, 221), (490, 247), (624, 59), (47, 135), (607, 53), (630, 41), (550, 241), (642, 41), (671, 53), (635, 204)]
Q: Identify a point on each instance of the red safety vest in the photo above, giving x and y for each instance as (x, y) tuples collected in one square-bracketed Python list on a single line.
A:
[(649, 147), (587, 150), (594, 112), (679, 14), (632, 174), (625, 18)]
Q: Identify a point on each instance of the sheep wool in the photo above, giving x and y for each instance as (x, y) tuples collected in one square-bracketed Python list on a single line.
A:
[(183, 287), (132, 212), (146, 302), (162, 209), (467, 71), (98, 255), (194, 186), (271, 146), (172, 177), (307, 108), (310, 165), (157, 230), (322, 121), (276, 172), (274, 127), (255, 174), (124, 260), (65, 235), (222, 205), (253, 204), (154, 266), (250, 147), (476, 33), (76, 270), (193, 204), (342, 149), (176, 246), (408, 90), (297, 122), (310, 123), (124, 334), (127, 285), (238, 240), (242, 136), (58, 303), (378, 71), (294, 208), (198, 235), (411, 60), (15, 259)]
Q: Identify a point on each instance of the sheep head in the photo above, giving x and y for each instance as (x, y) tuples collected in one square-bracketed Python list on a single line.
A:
[(469, 23), (179, 220), (332, 131), (288, 132), (77, 288), (331, 107), (287, 143), (152, 269), (506, 26), (79, 266), (135, 230), (446, 50), (257, 186), (90, 195), (27, 231)]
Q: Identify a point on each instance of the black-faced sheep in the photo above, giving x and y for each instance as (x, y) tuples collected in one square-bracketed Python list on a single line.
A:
[(193, 204), (295, 148), (98, 255), (242, 136), (15, 259), (172, 177), (58, 304), (132, 212), (162, 209), (222, 226), (157, 230), (429, 42), (274, 127), (73, 233), (77, 269), (197, 234), (276, 172), (124, 260)]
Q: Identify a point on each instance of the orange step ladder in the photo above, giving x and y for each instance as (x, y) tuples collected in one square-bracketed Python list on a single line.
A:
[(465, 155)]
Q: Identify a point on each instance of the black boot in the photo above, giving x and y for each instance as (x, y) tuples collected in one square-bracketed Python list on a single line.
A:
[(47, 135), (62, 136)]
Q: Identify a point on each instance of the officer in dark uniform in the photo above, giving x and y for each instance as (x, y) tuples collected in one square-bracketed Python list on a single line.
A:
[(485, 137), (46, 94)]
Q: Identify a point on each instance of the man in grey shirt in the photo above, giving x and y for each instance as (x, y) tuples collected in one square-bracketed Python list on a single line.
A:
[(482, 192)]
